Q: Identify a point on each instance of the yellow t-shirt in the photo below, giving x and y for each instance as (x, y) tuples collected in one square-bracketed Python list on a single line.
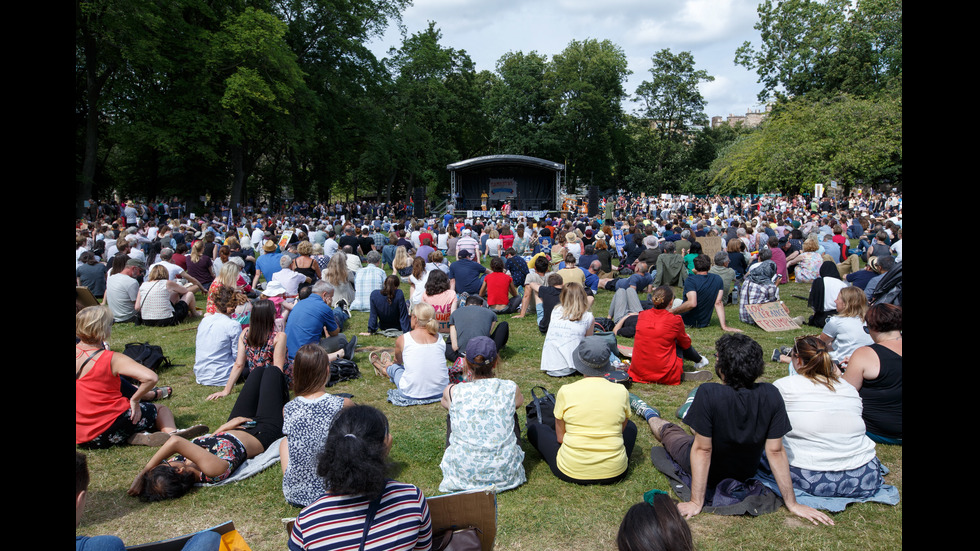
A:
[(594, 411)]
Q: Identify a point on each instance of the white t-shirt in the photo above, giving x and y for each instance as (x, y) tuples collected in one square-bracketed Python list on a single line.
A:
[(848, 335), (828, 430), (831, 288)]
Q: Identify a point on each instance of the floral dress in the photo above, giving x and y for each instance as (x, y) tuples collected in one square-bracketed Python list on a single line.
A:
[(262, 356), (224, 446), (483, 448), (809, 268)]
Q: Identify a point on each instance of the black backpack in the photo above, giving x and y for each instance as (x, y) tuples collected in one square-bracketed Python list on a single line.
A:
[(149, 355), (343, 370)]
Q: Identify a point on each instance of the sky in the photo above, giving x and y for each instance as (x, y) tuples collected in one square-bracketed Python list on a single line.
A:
[(710, 29)]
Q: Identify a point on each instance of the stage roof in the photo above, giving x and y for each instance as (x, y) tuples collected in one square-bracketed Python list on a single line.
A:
[(506, 159)]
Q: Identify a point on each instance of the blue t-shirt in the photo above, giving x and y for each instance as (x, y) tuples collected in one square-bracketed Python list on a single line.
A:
[(268, 264), (306, 322), (467, 275), (638, 281), (707, 287)]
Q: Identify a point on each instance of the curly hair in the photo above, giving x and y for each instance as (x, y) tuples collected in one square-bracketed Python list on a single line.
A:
[(740, 360), (354, 459)]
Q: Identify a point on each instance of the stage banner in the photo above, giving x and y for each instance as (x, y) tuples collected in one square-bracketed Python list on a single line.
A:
[(620, 242), (502, 188), (514, 214)]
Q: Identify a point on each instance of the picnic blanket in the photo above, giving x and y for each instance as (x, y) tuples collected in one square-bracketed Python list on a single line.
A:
[(396, 397), (887, 493)]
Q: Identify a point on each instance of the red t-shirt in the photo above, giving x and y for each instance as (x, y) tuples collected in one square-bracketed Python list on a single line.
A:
[(498, 285), (655, 359)]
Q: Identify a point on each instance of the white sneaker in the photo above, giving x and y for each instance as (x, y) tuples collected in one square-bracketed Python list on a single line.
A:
[(702, 364)]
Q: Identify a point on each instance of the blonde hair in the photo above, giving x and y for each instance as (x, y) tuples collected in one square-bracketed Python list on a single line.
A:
[(401, 259), (855, 303), (196, 251), (336, 273), (304, 248), (810, 245), (92, 324), (574, 302), (228, 275), (425, 316), (158, 272)]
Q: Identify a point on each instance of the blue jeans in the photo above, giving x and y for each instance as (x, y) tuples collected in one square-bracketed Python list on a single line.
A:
[(341, 317)]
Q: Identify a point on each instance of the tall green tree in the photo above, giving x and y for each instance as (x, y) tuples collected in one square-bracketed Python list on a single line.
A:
[(826, 48), (585, 84), (518, 106), (435, 107), (672, 99), (844, 139)]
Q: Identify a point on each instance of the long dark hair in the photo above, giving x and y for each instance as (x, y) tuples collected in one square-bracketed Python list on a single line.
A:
[(390, 287), (263, 320), (164, 482), (354, 460)]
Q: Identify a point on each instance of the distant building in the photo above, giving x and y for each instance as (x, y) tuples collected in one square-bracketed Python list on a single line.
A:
[(749, 120)]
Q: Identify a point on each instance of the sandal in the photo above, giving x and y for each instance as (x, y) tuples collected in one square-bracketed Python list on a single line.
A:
[(375, 360), (169, 390)]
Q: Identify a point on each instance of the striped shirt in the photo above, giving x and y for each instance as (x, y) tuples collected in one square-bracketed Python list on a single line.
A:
[(337, 522)]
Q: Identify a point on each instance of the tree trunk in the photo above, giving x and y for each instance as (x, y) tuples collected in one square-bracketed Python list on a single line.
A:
[(238, 169)]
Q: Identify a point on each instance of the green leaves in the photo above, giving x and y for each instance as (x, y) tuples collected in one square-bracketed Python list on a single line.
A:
[(672, 98), (808, 142), (826, 48)]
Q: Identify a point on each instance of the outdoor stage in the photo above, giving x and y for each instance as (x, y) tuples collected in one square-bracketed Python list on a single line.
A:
[(528, 183)]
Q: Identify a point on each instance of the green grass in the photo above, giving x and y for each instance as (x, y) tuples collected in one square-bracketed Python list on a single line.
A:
[(543, 514)]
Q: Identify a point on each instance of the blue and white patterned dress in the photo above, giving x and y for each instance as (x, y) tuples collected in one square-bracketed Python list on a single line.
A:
[(306, 424), (483, 448)]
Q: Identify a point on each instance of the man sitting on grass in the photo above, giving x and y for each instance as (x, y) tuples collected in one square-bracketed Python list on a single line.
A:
[(733, 423)]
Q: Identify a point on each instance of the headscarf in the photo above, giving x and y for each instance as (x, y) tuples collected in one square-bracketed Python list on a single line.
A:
[(829, 269), (763, 273)]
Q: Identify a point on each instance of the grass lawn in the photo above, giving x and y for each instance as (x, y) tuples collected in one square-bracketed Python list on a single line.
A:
[(543, 514)]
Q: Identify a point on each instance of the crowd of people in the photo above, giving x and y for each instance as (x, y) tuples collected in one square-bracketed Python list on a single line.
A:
[(279, 289)]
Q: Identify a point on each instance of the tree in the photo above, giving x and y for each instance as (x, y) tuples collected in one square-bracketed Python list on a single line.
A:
[(585, 83), (517, 105), (672, 99), (826, 48), (435, 107), (844, 139)]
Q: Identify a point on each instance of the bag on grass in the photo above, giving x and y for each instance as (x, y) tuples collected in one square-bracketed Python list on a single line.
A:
[(149, 355), (542, 408), (343, 370)]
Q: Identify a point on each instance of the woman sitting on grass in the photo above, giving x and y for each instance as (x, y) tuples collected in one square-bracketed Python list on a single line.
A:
[(419, 370), (104, 417), (876, 371), (828, 451), (482, 446), (307, 420)]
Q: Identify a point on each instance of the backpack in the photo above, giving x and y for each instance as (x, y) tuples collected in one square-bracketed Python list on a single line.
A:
[(343, 370), (149, 355)]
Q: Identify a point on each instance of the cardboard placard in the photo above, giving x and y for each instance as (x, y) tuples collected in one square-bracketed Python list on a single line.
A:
[(464, 509), (710, 246), (771, 316)]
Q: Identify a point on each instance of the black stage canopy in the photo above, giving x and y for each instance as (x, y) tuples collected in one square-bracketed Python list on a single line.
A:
[(528, 183)]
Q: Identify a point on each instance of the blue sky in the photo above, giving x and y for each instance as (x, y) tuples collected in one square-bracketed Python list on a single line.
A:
[(710, 29)]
